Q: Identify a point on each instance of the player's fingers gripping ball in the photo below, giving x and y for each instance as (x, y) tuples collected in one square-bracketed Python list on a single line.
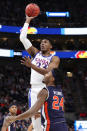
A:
[(32, 10)]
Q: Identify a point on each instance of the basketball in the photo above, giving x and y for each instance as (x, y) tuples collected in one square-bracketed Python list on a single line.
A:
[(32, 10)]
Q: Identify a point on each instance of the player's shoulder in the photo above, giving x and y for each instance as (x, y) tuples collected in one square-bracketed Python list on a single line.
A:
[(55, 58), (43, 93), (8, 114)]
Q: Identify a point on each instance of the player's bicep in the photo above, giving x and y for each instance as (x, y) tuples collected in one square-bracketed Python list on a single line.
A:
[(32, 51), (54, 63)]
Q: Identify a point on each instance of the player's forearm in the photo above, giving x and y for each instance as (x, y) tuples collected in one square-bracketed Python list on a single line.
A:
[(34, 109), (43, 71), (24, 115), (23, 37), (28, 21), (29, 113), (39, 70)]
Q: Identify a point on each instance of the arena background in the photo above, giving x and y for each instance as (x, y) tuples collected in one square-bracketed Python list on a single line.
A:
[(14, 77)]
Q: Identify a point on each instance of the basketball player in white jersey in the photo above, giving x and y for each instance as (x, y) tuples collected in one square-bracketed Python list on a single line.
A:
[(42, 63)]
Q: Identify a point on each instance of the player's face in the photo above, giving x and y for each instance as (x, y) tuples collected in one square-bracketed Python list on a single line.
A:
[(45, 45), (13, 109), (48, 78)]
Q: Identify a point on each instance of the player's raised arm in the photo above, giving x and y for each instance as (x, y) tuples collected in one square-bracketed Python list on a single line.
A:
[(25, 41)]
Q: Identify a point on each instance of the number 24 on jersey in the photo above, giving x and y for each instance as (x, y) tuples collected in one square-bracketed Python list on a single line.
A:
[(57, 104)]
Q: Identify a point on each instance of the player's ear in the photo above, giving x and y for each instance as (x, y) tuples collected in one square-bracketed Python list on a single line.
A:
[(51, 47)]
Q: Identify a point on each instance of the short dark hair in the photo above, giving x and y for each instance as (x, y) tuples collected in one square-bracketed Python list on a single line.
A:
[(50, 40), (58, 76), (12, 104)]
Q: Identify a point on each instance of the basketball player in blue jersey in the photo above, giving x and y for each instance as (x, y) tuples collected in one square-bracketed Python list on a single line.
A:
[(42, 63), (51, 100), (12, 112)]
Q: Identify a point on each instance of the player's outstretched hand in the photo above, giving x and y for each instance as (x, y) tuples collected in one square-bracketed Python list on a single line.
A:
[(11, 119), (26, 61), (28, 19)]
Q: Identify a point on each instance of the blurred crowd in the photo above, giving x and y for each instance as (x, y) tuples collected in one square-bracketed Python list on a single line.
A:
[(13, 13)]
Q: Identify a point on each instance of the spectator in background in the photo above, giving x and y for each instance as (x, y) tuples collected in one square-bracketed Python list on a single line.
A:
[(12, 112)]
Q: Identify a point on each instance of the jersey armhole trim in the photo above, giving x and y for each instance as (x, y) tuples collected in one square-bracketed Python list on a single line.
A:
[(51, 58), (47, 91)]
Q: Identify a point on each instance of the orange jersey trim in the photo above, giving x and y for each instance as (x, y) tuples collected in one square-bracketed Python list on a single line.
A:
[(47, 116)]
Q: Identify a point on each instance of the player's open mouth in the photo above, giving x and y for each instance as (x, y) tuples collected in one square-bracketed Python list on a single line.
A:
[(42, 47)]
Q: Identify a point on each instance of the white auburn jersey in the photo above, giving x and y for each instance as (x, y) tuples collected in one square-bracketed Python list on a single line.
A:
[(40, 61)]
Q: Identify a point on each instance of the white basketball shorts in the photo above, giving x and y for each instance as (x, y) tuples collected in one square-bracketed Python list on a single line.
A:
[(33, 92)]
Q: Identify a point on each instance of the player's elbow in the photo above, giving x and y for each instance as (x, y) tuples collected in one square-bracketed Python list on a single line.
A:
[(22, 38)]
